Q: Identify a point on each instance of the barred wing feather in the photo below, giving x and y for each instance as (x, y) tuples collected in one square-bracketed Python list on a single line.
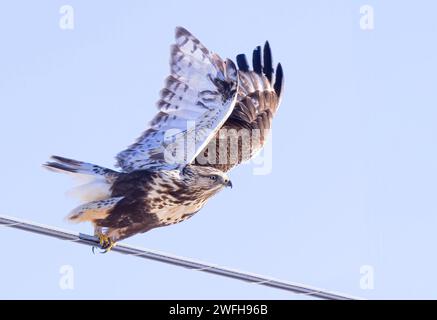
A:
[(259, 94), (198, 97)]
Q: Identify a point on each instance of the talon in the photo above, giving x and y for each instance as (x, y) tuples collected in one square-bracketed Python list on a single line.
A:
[(111, 245), (106, 243), (103, 239)]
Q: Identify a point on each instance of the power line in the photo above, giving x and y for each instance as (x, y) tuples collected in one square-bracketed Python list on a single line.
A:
[(174, 260)]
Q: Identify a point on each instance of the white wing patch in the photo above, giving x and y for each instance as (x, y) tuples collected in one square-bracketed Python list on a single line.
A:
[(198, 97)]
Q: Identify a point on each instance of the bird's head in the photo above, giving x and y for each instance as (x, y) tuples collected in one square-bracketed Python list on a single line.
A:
[(206, 178)]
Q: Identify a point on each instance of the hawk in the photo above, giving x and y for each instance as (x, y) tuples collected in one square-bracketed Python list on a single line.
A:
[(183, 157)]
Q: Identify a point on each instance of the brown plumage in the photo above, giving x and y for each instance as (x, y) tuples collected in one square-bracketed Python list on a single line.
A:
[(207, 110), (258, 99)]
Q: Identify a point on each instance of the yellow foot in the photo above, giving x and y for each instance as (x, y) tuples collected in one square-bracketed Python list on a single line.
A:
[(105, 242)]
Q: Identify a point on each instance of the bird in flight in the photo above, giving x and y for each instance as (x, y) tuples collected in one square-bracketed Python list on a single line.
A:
[(212, 115)]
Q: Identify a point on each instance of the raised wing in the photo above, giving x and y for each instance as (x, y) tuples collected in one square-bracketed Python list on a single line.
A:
[(245, 132), (198, 97)]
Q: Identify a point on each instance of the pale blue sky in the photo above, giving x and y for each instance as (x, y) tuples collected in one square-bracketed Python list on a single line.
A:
[(354, 178)]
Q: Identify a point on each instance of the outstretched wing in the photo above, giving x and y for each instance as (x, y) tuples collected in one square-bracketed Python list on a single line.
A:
[(245, 132), (198, 97)]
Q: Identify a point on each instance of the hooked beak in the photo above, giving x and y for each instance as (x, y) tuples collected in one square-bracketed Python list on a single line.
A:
[(229, 184)]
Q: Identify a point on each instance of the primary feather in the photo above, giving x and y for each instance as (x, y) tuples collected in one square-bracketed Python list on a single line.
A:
[(258, 98)]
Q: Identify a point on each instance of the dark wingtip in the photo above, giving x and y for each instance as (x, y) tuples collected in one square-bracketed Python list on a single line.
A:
[(256, 60), (268, 62), (179, 30), (242, 63), (279, 80)]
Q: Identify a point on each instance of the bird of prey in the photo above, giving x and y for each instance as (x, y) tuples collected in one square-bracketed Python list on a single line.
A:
[(183, 157)]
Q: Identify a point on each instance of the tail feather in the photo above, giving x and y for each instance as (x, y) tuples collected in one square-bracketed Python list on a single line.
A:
[(73, 166), (96, 189), (97, 181)]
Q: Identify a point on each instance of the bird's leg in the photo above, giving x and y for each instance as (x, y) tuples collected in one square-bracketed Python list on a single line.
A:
[(106, 243)]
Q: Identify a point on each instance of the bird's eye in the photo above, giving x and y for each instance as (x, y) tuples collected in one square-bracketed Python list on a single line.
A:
[(213, 178)]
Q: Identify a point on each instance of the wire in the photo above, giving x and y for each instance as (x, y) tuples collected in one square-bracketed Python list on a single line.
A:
[(85, 239)]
